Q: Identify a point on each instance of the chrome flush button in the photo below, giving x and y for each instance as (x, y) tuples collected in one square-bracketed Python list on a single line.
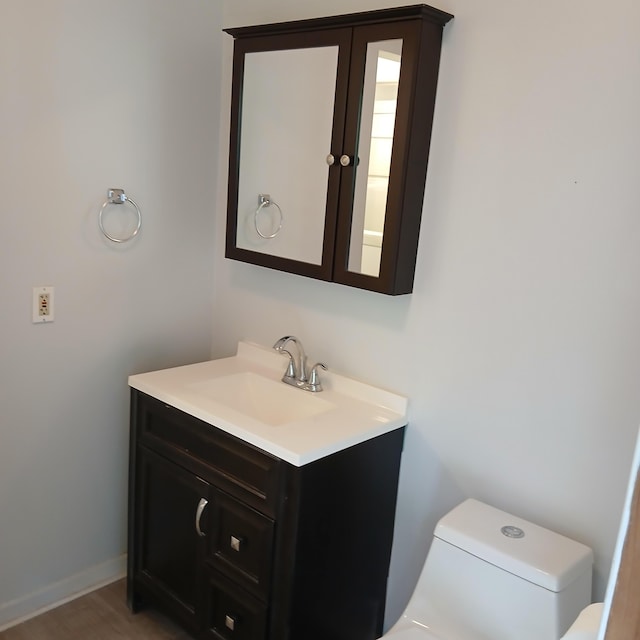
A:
[(512, 532)]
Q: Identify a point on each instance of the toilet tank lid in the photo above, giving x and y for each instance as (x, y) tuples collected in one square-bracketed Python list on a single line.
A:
[(543, 557)]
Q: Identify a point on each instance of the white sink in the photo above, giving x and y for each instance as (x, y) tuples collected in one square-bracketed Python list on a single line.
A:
[(245, 396), (262, 399)]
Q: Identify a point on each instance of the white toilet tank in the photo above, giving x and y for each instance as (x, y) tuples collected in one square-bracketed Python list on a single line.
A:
[(492, 576)]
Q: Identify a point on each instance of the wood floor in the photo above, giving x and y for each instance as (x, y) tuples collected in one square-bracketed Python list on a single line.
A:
[(101, 615)]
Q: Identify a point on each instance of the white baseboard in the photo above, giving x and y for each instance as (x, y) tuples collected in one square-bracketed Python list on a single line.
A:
[(53, 595)]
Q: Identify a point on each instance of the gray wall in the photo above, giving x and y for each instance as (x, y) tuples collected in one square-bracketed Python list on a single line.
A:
[(519, 348), (94, 94)]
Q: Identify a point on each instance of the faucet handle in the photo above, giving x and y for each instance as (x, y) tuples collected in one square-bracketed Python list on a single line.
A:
[(314, 378)]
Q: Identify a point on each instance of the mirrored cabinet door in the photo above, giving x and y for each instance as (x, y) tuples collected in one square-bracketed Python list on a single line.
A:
[(288, 106), (330, 131), (392, 85)]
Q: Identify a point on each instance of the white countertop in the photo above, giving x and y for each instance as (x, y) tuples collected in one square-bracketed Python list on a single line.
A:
[(346, 412)]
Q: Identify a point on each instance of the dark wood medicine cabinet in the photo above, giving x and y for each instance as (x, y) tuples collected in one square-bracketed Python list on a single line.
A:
[(330, 128)]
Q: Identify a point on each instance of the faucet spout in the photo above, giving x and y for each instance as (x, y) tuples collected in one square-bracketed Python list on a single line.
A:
[(300, 366), (296, 373)]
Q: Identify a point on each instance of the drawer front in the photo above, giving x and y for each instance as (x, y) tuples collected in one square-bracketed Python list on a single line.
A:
[(231, 613), (240, 469), (241, 545)]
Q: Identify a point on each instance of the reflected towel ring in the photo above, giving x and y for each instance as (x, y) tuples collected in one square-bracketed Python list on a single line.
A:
[(118, 196), (264, 200)]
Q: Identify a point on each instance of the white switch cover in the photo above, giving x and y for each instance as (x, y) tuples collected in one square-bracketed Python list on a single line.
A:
[(42, 304)]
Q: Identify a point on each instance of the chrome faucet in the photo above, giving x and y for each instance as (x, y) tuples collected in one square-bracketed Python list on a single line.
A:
[(296, 372)]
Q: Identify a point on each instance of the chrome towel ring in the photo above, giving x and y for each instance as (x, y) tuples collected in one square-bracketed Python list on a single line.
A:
[(118, 196), (264, 201)]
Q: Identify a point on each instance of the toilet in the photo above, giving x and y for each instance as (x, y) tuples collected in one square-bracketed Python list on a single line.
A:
[(492, 576)]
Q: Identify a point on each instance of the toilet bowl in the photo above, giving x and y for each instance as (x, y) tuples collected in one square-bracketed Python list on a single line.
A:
[(587, 624), (492, 576)]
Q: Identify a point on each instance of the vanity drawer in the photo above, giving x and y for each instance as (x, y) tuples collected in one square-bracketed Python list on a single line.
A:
[(233, 614), (241, 544), (238, 468)]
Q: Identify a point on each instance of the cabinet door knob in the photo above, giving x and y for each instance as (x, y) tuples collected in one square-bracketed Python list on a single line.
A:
[(345, 160), (201, 507), (331, 159), (236, 543), (230, 622)]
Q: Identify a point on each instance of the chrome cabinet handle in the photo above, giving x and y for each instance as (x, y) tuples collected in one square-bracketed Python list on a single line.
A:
[(345, 160), (201, 507), (331, 159)]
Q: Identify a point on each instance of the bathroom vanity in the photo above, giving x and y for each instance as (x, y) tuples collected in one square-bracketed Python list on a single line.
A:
[(260, 511)]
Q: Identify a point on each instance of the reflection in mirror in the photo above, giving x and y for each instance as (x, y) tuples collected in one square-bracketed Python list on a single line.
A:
[(377, 123), (281, 155)]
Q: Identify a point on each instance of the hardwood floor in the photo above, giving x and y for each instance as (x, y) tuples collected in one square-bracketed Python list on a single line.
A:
[(100, 615)]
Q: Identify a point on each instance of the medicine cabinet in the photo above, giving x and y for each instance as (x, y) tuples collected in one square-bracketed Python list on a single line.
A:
[(330, 129)]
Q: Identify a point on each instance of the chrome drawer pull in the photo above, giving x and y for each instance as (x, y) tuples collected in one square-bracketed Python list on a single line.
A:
[(201, 507), (236, 543), (230, 622)]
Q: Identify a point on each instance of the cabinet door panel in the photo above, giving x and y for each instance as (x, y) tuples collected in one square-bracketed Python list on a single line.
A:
[(374, 200), (288, 102), (169, 548)]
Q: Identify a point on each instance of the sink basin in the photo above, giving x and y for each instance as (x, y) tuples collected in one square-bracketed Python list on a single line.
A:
[(262, 399), (244, 396)]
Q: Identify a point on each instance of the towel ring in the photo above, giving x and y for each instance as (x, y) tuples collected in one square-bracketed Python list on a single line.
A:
[(118, 196), (264, 200)]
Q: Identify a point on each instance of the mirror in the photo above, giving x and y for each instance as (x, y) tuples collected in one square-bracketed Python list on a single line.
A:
[(377, 125), (281, 155)]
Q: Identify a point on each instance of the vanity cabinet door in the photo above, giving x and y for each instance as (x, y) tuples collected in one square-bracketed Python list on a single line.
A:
[(169, 548)]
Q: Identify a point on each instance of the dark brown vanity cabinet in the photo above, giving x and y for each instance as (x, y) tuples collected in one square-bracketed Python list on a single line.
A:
[(233, 542), (330, 130)]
